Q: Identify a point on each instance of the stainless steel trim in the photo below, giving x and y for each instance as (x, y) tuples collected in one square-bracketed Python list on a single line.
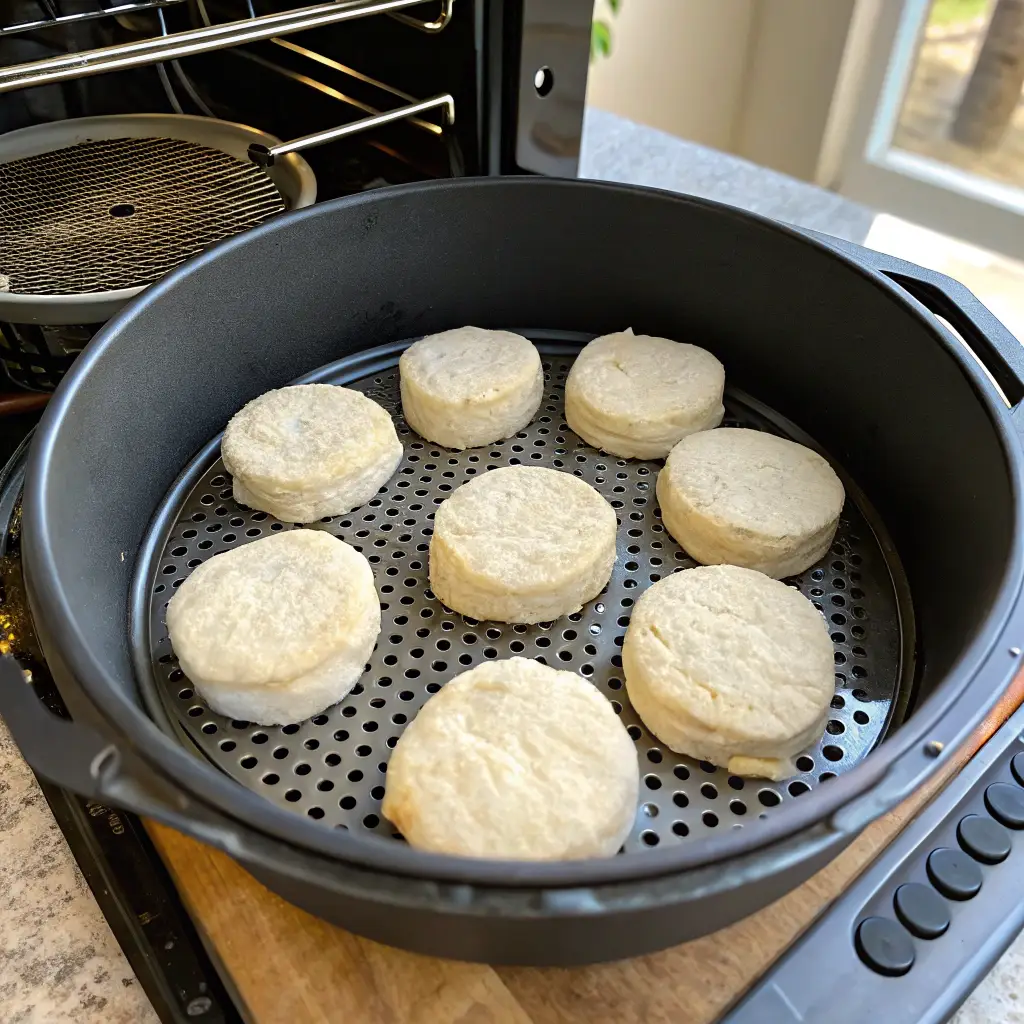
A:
[(266, 155), (99, 12), (430, 27), (553, 63), (185, 44)]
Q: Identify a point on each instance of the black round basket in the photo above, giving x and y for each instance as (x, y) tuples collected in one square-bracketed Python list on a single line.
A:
[(123, 492)]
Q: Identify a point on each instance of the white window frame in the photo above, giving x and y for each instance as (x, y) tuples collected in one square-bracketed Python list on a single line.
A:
[(913, 187)]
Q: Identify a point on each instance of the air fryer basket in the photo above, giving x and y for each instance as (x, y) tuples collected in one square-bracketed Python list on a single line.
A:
[(822, 339), (333, 767)]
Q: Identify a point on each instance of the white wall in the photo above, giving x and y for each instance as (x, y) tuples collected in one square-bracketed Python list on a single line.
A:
[(676, 65), (753, 77), (794, 52)]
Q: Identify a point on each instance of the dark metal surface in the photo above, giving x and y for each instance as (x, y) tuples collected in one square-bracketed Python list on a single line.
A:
[(332, 767), (119, 213), (553, 63), (947, 966), (819, 337), (36, 356), (995, 347)]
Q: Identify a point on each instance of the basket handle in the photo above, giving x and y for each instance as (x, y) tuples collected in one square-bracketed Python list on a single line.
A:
[(988, 340), (76, 757)]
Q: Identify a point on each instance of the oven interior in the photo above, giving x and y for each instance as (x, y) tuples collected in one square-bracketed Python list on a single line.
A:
[(287, 86), (292, 85), (503, 82)]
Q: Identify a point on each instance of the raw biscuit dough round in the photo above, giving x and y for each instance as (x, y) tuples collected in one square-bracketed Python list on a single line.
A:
[(469, 387), (636, 396), (309, 451), (522, 544), (276, 630), (730, 666), (744, 497), (514, 760)]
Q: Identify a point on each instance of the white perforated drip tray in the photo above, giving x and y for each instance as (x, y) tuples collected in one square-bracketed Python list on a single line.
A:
[(333, 767)]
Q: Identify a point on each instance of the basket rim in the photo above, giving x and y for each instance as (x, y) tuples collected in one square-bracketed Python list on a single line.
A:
[(977, 678)]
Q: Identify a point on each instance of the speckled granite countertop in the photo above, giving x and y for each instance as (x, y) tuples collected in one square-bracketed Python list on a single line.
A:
[(615, 149), (59, 961)]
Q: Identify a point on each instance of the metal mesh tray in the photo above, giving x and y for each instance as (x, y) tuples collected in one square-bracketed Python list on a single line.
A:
[(333, 766), (116, 213)]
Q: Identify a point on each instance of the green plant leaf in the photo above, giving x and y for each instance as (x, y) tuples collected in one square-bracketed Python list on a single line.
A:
[(615, 5), (600, 40)]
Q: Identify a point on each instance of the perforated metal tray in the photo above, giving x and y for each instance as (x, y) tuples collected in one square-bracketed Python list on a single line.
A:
[(333, 767)]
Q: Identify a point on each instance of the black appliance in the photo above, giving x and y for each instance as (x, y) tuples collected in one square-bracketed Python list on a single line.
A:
[(737, 277), (516, 74), (367, 92), (505, 252)]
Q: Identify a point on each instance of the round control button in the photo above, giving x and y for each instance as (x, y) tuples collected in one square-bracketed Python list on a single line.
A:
[(954, 874), (1017, 767), (1006, 804), (922, 910), (884, 946), (984, 839)]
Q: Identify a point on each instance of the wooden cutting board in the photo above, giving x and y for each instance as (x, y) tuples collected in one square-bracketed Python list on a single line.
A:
[(288, 967)]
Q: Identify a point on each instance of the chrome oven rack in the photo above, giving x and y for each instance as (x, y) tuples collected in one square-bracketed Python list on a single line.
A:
[(51, 16), (225, 35)]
